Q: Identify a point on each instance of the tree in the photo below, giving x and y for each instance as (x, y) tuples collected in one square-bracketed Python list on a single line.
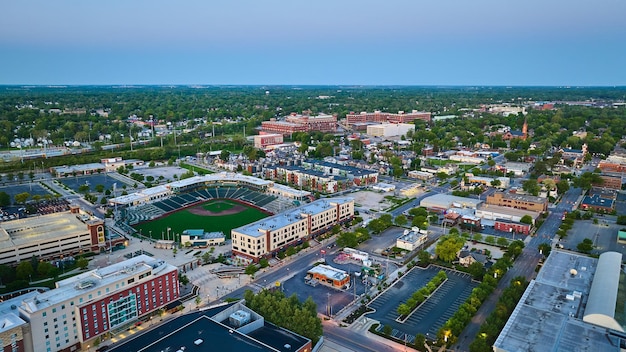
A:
[(24, 270), (287, 312), (45, 269), (476, 269), (206, 257), (5, 199), (585, 246), (448, 246), (621, 219), (502, 242), (526, 219), (99, 188), (478, 237), (490, 239), (545, 249), (82, 263), (198, 301), (84, 188), (496, 183), (183, 279), (21, 198), (531, 186), (401, 220), (423, 257), (264, 263), (347, 239), (252, 269), (225, 155)]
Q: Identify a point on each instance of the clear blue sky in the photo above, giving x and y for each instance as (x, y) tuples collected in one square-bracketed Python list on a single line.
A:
[(394, 42)]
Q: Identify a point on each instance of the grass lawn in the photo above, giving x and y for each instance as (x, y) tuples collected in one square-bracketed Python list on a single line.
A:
[(184, 220)]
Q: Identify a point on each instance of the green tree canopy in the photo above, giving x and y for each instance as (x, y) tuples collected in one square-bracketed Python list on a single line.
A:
[(448, 246)]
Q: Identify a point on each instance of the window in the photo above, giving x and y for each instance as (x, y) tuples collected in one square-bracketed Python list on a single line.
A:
[(44, 314)]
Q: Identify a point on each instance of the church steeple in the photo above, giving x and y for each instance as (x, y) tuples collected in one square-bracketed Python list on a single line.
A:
[(525, 128)]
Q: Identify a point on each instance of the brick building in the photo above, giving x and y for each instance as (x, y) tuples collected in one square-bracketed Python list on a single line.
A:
[(265, 139), (512, 226), (518, 201), (300, 123), (82, 308), (380, 117)]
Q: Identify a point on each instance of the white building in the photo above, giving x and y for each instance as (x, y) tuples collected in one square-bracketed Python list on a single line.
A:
[(390, 129), (493, 212), (412, 239)]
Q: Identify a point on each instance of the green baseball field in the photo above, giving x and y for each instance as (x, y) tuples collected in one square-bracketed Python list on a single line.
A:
[(215, 215)]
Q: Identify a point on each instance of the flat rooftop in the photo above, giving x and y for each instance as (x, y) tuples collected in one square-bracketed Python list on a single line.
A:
[(289, 217), (328, 271), (94, 280), (549, 315), (507, 210), (40, 229)]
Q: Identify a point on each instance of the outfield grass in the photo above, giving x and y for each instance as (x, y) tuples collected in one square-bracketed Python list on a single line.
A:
[(184, 220)]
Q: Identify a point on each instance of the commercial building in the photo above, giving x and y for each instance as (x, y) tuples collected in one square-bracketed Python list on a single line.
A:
[(266, 237), (82, 308), (380, 117), (518, 201), (390, 129), (300, 123), (421, 175), (200, 238), (15, 333), (228, 327), (311, 180), (611, 182), (494, 212), (570, 306), (328, 276), (264, 139), (105, 165), (598, 203), (442, 202), (512, 226), (412, 239), (52, 236)]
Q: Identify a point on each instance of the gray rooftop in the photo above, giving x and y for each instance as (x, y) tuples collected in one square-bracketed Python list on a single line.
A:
[(549, 315)]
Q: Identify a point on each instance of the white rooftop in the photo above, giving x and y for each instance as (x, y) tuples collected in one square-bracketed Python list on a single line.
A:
[(291, 216), (329, 272), (94, 280)]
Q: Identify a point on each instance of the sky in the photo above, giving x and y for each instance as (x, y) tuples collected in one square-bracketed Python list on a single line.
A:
[(314, 42)]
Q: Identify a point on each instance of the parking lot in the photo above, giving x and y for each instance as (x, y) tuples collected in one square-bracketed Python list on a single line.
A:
[(603, 234), (433, 313), (92, 180), (379, 243), (166, 172)]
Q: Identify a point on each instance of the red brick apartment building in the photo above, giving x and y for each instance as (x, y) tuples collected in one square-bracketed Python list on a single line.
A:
[(301, 123), (380, 117)]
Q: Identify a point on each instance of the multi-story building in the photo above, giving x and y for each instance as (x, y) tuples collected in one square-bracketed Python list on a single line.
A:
[(311, 180), (358, 176), (300, 123), (268, 236), (15, 334), (512, 226), (611, 182), (380, 117), (518, 201), (264, 139), (52, 236), (82, 308), (390, 129)]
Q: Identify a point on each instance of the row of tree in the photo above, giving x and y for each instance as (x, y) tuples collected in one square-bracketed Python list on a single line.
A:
[(287, 312), (490, 330), (449, 332), (422, 294)]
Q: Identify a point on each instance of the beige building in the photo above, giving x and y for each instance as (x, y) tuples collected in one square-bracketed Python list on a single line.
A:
[(268, 236), (518, 201), (390, 129)]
